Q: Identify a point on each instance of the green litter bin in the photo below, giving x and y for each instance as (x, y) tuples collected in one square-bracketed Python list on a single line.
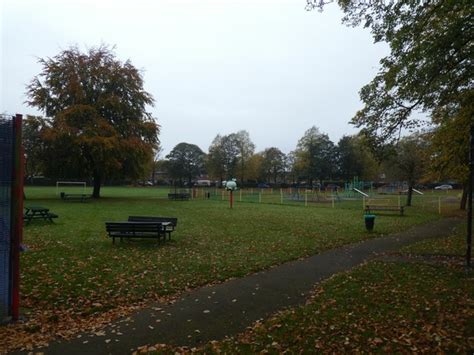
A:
[(369, 221)]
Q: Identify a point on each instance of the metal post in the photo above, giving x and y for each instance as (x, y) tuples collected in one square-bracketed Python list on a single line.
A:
[(17, 217), (231, 198), (469, 201)]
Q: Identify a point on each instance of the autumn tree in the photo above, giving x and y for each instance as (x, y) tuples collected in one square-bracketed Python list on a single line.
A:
[(449, 148), (99, 126), (222, 159), (229, 155), (292, 167), (315, 155), (429, 67), (273, 164), (34, 146), (253, 169), (245, 148), (185, 161), (354, 158), (408, 161)]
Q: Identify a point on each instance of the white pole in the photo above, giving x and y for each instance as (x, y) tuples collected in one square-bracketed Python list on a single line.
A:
[(439, 204), (305, 199), (281, 196), (332, 201)]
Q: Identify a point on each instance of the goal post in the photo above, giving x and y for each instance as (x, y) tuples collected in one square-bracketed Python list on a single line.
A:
[(71, 183)]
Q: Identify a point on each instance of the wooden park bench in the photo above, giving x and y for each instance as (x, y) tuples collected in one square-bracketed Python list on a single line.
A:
[(179, 196), (135, 230), (75, 197), (169, 223), (370, 208)]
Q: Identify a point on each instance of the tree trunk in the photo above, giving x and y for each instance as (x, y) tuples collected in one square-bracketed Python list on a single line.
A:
[(464, 198), (409, 194), (97, 184)]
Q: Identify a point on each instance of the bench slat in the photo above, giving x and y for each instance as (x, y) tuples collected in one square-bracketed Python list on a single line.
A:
[(135, 230), (369, 208)]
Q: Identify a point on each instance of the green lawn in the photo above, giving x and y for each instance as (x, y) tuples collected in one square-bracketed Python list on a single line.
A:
[(72, 272), (379, 307), (452, 245)]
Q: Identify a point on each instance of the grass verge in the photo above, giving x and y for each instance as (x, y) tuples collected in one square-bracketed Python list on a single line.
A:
[(73, 278)]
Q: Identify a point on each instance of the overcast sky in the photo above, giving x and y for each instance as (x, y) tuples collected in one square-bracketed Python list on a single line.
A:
[(213, 66)]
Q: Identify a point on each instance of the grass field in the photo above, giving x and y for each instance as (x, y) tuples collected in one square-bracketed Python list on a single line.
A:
[(375, 308), (72, 274), (410, 306)]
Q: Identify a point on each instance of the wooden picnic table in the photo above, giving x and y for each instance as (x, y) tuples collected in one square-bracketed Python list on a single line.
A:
[(38, 212)]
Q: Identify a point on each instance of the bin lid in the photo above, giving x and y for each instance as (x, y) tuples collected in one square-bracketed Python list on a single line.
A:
[(369, 216)]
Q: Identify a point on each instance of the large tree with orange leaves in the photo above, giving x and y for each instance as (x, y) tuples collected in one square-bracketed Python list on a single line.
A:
[(98, 125)]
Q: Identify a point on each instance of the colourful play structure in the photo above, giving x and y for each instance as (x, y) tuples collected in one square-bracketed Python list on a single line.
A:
[(357, 189)]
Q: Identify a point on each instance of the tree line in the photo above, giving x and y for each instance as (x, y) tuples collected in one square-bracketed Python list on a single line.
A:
[(316, 159), (419, 158), (98, 126)]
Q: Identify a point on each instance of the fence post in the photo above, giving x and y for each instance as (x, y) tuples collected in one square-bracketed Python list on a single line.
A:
[(223, 195), (332, 201), (363, 202), (399, 201), (240, 195), (259, 197), (281, 196), (439, 204), (305, 198)]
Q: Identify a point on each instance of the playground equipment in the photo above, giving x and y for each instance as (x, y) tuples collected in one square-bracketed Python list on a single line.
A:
[(353, 188), (231, 186), (361, 192)]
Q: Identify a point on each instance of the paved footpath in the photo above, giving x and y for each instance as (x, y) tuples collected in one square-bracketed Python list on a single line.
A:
[(213, 312)]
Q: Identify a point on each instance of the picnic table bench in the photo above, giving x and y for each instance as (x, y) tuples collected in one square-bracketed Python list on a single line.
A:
[(38, 212), (369, 208), (75, 197), (136, 230), (169, 223), (179, 196)]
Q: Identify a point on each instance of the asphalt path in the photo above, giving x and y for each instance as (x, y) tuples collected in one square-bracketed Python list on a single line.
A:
[(213, 312)]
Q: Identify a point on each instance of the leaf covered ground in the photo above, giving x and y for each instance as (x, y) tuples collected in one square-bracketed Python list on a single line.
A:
[(378, 307), (74, 279), (416, 305)]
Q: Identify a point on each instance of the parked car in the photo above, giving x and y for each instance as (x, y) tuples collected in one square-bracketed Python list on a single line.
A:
[(444, 187), (263, 186)]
